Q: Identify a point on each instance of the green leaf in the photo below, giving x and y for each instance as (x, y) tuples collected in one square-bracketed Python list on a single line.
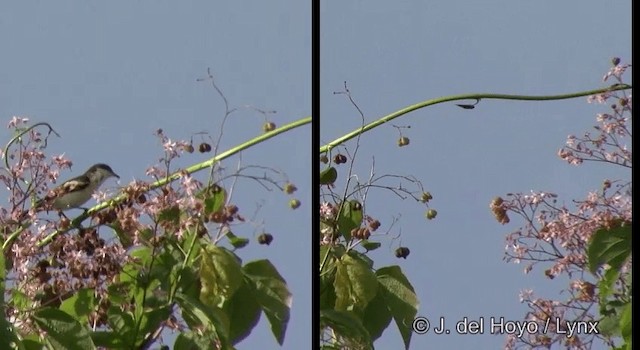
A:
[(244, 312), (31, 344), (272, 295), (611, 247), (142, 296), (220, 275), (63, 331), (401, 299), (237, 242), (362, 257), (606, 287), (20, 301), (151, 321), (193, 341), (122, 323), (377, 316), (327, 277), (141, 257), (8, 335), (109, 340), (347, 325), (609, 325), (80, 305), (327, 291), (355, 284), (368, 245), (170, 215), (189, 282), (350, 217), (625, 324), (213, 320), (328, 176)]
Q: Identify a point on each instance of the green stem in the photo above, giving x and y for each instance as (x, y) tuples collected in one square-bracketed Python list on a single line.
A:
[(185, 262), (385, 119)]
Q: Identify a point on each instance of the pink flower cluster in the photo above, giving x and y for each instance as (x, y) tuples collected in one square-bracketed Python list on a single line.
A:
[(557, 235)]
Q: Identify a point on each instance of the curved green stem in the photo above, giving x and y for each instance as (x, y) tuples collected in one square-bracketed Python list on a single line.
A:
[(19, 135), (479, 96)]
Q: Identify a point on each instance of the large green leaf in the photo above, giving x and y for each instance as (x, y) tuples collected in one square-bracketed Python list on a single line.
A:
[(327, 291), (611, 247), (346, 325), (355, 284), (272, 294), (327, 277), (198, 315), (220, 275), (244, 312), (362, 257), (401, 299), (63, 331), (123, 323), (377, 316)]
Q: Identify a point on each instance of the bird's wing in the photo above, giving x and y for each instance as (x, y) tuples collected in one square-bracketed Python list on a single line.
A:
[(76, 184)]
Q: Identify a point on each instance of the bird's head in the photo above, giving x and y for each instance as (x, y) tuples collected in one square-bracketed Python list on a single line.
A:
[(100, 172)]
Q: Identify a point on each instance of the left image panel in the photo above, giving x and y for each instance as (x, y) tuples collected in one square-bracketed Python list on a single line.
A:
[(156, 172)]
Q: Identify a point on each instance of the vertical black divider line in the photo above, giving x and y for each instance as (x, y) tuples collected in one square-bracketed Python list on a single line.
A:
[(315, 168)]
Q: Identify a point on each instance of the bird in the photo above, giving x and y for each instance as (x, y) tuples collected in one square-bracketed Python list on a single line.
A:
[(75, 192)]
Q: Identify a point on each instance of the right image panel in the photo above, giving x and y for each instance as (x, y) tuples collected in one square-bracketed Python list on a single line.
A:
[(475, 175)]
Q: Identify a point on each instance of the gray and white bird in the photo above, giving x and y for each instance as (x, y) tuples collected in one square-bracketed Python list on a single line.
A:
[(75, 192)]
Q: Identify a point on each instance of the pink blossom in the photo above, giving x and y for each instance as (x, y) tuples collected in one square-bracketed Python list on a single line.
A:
[(327, 211), (156, 172), (171, 148), (526, 295), (616, 72), (598, 98), (17, 121)]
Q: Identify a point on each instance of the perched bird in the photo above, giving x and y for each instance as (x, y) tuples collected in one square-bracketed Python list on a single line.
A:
[(75, 192)]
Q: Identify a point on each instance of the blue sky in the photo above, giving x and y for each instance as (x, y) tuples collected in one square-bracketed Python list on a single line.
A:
[(394, 54), (107, 75)]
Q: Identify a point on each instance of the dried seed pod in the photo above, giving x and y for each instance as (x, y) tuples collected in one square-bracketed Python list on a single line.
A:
[(265, 238), (402, 252), (204, 147)]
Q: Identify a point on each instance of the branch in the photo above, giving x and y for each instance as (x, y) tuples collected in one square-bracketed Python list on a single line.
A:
[(360, 130)]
